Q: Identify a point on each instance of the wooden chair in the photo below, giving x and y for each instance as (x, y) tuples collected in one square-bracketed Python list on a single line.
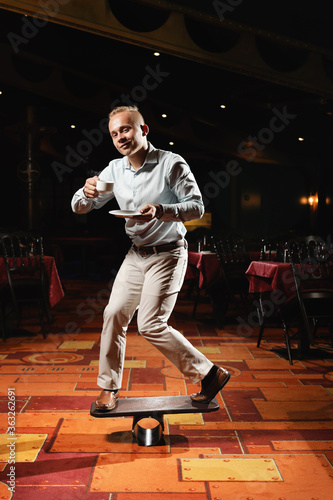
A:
[(233, 287), (312, 303), (312, 265), (271, 249), (277, 250), (23, 254)]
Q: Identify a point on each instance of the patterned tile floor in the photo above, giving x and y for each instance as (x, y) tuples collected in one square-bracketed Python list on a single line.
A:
[(271, 439)]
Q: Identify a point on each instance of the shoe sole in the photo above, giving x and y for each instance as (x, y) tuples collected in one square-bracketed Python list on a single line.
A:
[(106, 409)]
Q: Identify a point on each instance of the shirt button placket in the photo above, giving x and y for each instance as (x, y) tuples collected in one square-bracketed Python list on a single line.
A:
[(135, 181)]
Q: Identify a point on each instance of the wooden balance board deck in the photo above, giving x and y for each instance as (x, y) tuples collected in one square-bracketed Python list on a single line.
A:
[(148, 414), (144, 407)]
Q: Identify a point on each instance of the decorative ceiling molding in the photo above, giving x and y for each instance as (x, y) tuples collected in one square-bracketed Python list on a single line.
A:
[(173, 38)]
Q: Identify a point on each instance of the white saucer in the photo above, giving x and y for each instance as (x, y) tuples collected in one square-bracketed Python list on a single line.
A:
[(125, 213)]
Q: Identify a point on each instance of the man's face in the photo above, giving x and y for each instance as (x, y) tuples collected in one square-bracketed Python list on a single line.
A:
[(128, 133)]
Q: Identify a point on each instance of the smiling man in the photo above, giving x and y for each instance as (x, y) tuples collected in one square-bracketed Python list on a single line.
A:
[(160, 185)]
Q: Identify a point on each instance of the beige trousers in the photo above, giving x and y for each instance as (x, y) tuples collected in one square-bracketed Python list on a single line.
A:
[(151, 285)]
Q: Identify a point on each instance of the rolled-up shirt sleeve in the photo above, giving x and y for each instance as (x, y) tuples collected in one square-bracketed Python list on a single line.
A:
[(183, 185), (82, 205)]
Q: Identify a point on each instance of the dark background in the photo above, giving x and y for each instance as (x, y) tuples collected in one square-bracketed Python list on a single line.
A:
[(263, 199)]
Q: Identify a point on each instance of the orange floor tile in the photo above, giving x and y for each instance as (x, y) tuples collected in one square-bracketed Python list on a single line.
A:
[(271, 439)]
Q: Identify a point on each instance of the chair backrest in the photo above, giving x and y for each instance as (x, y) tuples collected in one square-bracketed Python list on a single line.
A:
[(231, 250), (23, 253), (234, 261), (313, 272), (309, 248), (271, 249), (312, 267)]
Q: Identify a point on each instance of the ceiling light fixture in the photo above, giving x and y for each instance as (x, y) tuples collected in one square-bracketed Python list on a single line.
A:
[(164, 115), (156, 54)]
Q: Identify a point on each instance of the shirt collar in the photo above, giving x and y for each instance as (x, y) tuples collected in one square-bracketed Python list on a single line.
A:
[(151, 157)]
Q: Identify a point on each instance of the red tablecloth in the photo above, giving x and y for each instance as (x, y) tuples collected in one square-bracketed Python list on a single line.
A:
[(265, 276), (56, 292), (207, 267)]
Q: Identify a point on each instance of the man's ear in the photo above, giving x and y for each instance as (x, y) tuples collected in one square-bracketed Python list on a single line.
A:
[(145, 129)]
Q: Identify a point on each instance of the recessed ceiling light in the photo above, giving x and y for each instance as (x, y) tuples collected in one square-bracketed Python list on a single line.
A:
[(164, 115), (301, 139), (222, 106), (0, 92), (171, 143), (72, 126), (157, 54)]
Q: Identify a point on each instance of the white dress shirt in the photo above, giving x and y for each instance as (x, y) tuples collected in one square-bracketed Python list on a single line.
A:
[(164, 178)]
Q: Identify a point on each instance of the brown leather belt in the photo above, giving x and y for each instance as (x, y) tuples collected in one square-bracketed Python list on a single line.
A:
[(159, 248)]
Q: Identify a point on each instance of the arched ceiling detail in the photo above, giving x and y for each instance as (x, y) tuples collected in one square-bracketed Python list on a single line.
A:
[(206, 37)]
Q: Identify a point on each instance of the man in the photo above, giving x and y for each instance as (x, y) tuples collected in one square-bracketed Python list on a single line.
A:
[(161, 186)]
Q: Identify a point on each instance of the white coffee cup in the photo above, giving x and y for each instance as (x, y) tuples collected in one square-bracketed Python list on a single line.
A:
[(104, 186)]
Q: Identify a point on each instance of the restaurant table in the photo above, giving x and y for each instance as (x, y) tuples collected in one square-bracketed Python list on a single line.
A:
[(274, 282), (204, 265), (207, 267), (204, 272), (268, 276), (55, 290)]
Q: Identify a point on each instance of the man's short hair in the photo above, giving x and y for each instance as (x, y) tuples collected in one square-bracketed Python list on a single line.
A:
[(121, 109)]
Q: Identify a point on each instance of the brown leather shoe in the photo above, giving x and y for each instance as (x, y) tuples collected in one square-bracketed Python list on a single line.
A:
[(213, 386), (106, 401)]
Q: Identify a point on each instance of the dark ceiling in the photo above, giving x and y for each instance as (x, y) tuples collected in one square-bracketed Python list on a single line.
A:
[(88, 62), (70, 75)]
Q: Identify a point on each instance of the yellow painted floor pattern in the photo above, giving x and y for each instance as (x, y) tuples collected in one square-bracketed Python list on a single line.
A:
[(271, 439)]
